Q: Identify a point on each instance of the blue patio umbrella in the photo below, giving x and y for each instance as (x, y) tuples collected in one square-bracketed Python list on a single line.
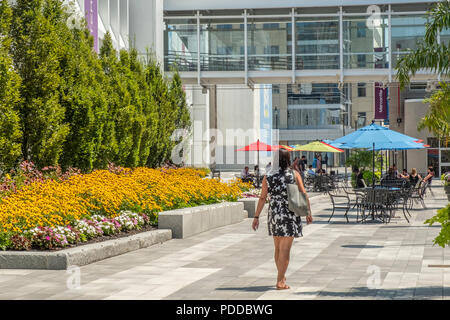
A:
[(376, 137)]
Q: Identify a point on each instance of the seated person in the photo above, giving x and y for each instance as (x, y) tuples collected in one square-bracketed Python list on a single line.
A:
[(404, 174), (245, 175), (414, 177), (430, 175), (310, 171), (396, 174), (391, 174), (359, 179)]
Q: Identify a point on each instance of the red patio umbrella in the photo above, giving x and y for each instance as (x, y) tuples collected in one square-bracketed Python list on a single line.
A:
[(259, 146)]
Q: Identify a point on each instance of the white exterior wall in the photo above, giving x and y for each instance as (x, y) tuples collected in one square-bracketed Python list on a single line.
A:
[(415, 109), (236, 120), (197, 153), (113, 17), (147, 26)]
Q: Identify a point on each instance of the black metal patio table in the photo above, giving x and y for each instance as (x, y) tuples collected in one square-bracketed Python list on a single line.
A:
[(382, 199)]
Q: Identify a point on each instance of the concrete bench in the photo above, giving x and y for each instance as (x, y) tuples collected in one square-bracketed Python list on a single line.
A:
[(190, 221), (250, 205)]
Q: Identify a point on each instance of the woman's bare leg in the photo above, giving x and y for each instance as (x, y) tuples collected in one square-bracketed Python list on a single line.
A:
[(276, 242), (283, 260)]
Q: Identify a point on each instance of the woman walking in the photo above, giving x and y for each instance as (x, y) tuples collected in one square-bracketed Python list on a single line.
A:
[(282, 223)]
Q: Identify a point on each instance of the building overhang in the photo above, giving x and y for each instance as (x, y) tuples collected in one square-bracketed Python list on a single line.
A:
[(180, 5), (301, 76)]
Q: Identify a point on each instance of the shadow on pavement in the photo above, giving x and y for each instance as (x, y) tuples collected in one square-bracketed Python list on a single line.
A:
[(405, 293), (248, 289)]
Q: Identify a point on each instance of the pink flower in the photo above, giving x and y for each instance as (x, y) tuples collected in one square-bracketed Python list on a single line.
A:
[(47, 238)]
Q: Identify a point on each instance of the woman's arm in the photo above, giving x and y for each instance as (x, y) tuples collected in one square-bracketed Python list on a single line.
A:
[(261, 203), (302, 189)]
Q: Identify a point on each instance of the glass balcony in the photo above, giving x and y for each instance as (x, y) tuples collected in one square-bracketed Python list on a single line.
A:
[(269, 45), (317, 44), (365, 43), (317, 61), (222, 45), (269, 42), (180, 45), (313, 118), (406, 31)]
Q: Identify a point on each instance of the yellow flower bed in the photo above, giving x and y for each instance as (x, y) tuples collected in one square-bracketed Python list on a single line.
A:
[(145, 190)]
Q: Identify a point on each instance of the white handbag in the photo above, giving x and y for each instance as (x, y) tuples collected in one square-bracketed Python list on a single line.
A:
[(296, 199)]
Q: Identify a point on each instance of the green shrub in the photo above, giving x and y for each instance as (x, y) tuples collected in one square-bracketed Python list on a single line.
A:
[(5, 240), (442, 217)]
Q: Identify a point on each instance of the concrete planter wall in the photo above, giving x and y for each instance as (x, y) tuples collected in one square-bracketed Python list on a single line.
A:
[(250, 205), (190, 221), (82, 255), (180, 223)]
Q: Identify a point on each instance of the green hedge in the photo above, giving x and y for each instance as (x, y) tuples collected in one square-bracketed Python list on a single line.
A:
[(64, 104)]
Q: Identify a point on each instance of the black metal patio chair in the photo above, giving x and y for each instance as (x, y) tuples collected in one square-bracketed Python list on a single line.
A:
[(339, 201)]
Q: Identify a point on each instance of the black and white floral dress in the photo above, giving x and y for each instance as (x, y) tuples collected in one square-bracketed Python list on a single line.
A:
[(281, 222)]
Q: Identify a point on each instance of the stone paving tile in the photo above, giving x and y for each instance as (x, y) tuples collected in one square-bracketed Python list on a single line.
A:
[(332, 261)]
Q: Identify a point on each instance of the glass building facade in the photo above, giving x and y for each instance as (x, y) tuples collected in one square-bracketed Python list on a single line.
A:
[(330, 41)]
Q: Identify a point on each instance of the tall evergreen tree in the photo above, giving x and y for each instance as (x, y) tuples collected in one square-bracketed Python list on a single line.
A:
[(161, 149), (82, 94), (109, 146), (10, 133), (37, 53)]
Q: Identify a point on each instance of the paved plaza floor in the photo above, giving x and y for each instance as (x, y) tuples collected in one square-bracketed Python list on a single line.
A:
[(332, 261)]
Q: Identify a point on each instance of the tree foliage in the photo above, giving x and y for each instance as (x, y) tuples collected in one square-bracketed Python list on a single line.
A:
[(360, 158), (10, 133), (437, 119), (62, 103), (436, 57), (430, 54)]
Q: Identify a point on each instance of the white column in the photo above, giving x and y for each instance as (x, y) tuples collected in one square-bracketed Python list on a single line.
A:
[(294, 43), (390, 43), (341, 46), (245, 48), (198, 47)]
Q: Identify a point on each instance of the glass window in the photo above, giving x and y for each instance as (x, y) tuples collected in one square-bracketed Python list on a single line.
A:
[(433, 158), (315, 93), (445, 155), (361, 91), (268, 45), (365, 46), (433, 142), (313, 118), (417, 86), (221, 45), (445, 37), (276, 88), (361, 119), (180, 44), (317, 44), (406, 31), (361, 31)]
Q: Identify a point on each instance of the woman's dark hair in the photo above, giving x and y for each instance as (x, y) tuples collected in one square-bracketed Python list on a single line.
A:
[(284, 158)]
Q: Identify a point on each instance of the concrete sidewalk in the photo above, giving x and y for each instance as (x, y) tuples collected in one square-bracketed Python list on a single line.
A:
[(332, 261)]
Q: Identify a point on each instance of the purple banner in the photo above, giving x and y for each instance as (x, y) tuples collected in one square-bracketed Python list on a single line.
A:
[(380, 102), (90, 10)]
